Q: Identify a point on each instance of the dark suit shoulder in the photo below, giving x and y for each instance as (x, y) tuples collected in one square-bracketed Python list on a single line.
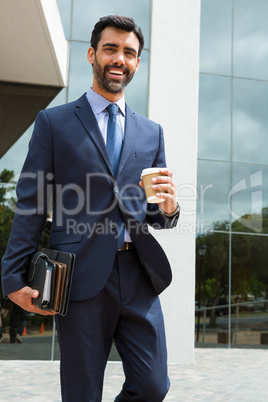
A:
[(144, 121)]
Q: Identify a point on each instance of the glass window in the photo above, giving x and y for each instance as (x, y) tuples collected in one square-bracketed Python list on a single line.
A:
[(212, 289), (64, 7), (34, 332), (249, 287), (248, 201), (214, 136), (251, 38), (250, 121), (213, 186), (216, 36), (86, 13), (80, 75)]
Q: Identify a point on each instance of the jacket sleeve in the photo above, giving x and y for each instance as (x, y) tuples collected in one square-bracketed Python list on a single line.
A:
[(31, 207)]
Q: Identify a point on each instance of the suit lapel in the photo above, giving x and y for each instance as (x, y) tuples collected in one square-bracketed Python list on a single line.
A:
[(87, 118), (129, 139)]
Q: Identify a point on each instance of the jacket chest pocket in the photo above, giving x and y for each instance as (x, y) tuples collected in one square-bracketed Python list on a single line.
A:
[(144, 155)]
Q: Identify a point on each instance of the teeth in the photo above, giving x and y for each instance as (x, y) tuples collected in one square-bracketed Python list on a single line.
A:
[(116, 72)]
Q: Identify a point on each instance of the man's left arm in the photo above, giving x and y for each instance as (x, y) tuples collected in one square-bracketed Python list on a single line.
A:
[(166, 213)]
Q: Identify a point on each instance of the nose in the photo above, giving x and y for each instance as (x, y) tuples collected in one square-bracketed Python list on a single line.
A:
[(119, 59)]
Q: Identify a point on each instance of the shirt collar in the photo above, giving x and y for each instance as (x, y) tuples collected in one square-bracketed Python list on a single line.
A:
[(99, 103)]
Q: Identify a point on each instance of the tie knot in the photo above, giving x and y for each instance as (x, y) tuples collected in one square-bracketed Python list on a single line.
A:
[(113, 109)]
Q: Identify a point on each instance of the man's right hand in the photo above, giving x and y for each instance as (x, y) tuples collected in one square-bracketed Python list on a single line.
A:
[(23, 298)]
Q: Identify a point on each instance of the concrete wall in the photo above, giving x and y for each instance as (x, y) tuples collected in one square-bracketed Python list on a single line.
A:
[(173, 102)]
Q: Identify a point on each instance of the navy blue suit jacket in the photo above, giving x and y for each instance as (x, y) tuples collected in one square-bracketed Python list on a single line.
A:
[(68, 157)]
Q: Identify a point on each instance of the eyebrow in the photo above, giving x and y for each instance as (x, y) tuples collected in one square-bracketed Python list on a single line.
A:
[(117, 46)]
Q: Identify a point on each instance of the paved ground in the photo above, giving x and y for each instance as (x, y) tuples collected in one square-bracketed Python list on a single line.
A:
[(217, 375)]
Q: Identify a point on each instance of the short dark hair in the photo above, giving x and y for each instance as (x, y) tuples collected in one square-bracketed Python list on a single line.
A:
[(116, 21)]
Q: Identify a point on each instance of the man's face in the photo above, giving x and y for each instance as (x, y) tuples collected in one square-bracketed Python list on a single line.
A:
[(115, 62)]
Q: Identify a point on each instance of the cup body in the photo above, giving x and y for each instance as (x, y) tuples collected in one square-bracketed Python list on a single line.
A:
[(146, 176)]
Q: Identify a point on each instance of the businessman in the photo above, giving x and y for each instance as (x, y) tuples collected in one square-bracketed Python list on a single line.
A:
[(89, 154)]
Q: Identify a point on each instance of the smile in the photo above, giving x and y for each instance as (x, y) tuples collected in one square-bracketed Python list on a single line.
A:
[(116, 72)]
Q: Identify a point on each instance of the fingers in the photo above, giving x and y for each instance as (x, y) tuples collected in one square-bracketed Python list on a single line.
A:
[(141, 184), (32, 293), (165, 184), (23, 298), (167, 180), (166, 190), (167, 172), (42, 312)]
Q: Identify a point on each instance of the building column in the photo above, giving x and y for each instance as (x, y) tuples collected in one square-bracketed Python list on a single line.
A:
[(173, 102)]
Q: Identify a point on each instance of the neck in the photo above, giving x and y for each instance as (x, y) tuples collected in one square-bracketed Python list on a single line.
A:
[(111, 97)]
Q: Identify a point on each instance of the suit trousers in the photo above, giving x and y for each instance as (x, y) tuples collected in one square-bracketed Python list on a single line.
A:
[(127, 311)]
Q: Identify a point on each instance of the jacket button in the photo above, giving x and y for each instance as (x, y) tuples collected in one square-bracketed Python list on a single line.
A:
[(116, 189), (113, 225)]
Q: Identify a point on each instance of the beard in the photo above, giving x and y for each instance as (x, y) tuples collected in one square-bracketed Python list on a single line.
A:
[(111, 85)]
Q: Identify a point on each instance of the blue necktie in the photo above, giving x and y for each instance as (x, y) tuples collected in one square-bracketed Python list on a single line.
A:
[(114, 137), (114, 148)]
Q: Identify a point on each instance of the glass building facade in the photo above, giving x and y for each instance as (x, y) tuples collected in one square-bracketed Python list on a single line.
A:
[(232, 206)]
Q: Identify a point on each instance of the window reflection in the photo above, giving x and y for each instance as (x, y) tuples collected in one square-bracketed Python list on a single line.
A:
[(250, 121), (212, 281), (233, 196), (32, 330), (214, 135), (250, 39), (213, 186), (64, 7), (249, 200), (85, 17), (247, 299), (216, 36), (80, 75), (249, 288)]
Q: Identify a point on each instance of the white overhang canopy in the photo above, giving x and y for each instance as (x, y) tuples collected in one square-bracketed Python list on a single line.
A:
[(33, 63)]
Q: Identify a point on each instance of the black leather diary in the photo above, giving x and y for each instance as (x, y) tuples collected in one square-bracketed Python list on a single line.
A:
[(50, 272)]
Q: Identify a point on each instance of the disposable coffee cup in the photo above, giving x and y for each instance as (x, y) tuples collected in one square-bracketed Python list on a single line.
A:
[(146, 176)]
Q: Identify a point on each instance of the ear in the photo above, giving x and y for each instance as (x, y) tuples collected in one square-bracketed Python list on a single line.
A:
[(137, 66), (91, 55)]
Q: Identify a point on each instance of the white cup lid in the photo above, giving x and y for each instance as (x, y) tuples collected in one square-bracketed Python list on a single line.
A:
[(150, 170)]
